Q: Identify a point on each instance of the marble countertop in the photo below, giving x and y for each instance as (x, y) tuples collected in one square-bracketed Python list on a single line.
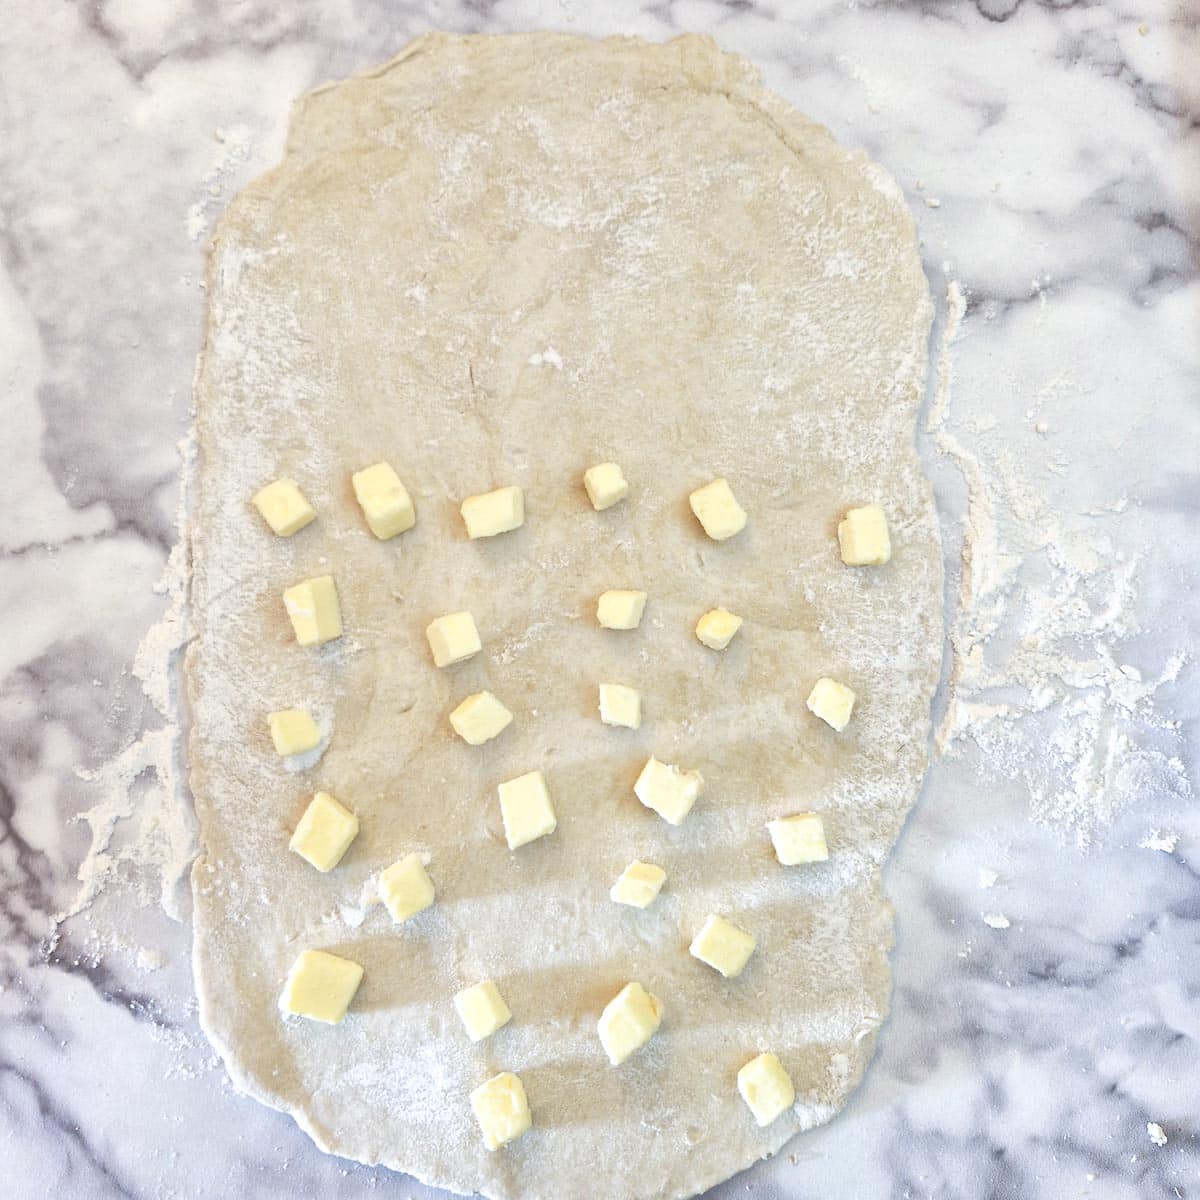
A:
[(1045, 1037)]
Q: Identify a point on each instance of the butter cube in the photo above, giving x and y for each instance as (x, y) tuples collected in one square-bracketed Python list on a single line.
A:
[(620, 610), (453, 638), (324, 832), (293, 731), (716, 629), (283, 507), (668, 790), (526, 810), (638, 885), (494, 512), (384, 500), (479, 718), (863, 537), (833, 702), (723, 946), (620, 705), (320, 986), (501, 1109), (766, 1088), (799, 839), (313, 609), (630, 1019), (482, 1010), (717, 510), (405, 888), (605, 485)]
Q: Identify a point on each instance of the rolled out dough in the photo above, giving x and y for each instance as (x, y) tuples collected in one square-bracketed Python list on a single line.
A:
[(501, 260)]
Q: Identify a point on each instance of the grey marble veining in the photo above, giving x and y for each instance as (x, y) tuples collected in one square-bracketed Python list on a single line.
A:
[(1051, 153)]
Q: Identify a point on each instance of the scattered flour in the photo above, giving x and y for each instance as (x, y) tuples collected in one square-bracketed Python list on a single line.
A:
[(1156, 1133), (548, 358), (987, 877), (1166, 842), (1045, 603), (144, 786), (151, 960), (233, 149), (996, 920)]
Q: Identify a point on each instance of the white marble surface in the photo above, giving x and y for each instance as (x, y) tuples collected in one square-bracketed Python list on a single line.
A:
[(1052, 157)]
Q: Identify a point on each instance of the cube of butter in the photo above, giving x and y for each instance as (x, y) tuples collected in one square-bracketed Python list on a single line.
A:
[(501, 1109), (284, 507), (605, 485), (638, 885), (766, 1088), (668, 790), (629, 1020), (620, 609), (482, 1010), (453, 638), (405, 888), (716, 629), (833, 702), (324, 833), (314, 612), (320, 986), (620, 705), (479, 718), (723, 946), (526, 810), (863, 537), (799, 839), (293, 731), (384, 500), (717, 510), (494, 512)]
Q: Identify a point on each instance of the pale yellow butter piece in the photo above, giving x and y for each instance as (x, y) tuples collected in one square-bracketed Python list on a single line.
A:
[(313, 608), (620, 609), (320, 986), (669, 790), (638, 885), (293, 731), (605, 485), (494, 512), (620, 705), (526, 810), (283, 506), (833, 702), (384, 500), (863, 537), (405, 888), (766, 1088), (324, 833), (479, 718), (723, 946), (453, 638), (716, 629), (799, 839), (630, 1019), (502, 1109), (482, 1010), (717, 509)]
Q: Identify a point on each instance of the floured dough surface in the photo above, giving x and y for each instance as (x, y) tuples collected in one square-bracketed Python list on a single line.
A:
[(499, 261)]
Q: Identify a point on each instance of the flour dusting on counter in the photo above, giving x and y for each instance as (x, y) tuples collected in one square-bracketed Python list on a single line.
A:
[(233, 150), (1039, 684), (143, 787)]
